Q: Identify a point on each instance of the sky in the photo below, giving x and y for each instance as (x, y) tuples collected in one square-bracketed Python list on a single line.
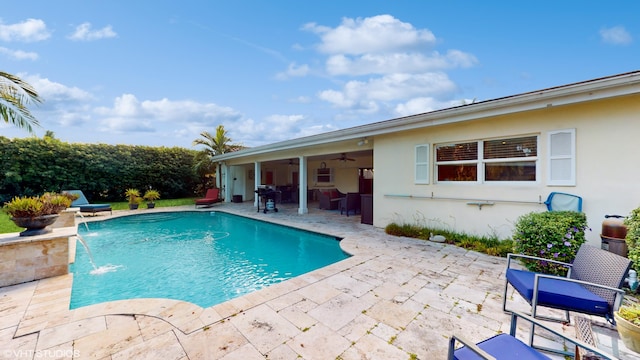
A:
[(160, 73)]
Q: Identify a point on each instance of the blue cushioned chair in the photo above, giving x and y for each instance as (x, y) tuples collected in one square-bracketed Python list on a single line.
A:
[(84, 205), (508, 347), (593, 284)]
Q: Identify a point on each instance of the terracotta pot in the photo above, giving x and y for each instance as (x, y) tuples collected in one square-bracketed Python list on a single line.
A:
[(36, 225), (629, 333)]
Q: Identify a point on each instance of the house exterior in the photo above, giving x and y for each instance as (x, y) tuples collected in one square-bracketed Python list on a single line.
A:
[(474, 168)]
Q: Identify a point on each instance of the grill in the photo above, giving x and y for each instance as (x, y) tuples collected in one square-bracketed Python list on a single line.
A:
[(268, 198), (613, 234)]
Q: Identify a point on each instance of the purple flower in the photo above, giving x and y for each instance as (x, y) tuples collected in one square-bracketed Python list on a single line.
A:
[(566, 243), (555, 255), (549, 246), (541, 252), (568, 235)]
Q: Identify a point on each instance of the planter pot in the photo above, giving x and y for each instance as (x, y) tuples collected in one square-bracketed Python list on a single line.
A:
[(133, 206), (151, 205), (36, 225), (629, 333)]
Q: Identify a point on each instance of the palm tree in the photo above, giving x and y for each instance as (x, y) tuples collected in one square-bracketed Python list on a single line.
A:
[(15, 94), (216, 144)]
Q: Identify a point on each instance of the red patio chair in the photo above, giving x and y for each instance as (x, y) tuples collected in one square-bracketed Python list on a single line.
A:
[(212, 196)]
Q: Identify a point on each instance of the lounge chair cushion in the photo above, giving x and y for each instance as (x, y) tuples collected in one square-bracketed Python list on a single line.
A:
[(502, 346), (84, 205), (211, 197), (557, 293)]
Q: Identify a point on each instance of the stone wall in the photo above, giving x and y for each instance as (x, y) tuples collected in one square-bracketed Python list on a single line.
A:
[(24, 259)]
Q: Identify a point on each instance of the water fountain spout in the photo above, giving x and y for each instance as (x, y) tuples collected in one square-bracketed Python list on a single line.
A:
[(86, 248)]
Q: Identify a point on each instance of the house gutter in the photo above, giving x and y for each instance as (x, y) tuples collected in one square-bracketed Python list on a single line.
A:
[(597, 89)]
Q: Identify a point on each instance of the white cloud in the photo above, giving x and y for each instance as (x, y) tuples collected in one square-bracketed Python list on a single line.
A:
[(130, 114), (18, 54), (382, 33), (51, 91), (425, 104), (84, 32), (397, 62), (616, 35), (293, 71), (393, 87), (30, 30)]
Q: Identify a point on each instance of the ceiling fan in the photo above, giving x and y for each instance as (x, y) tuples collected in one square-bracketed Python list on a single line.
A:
[(343, 157)]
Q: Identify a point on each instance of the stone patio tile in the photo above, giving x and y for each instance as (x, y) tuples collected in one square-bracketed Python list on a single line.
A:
[(297, 317), (392, 314), (319, 292), (213, 342), (374, 348), (320, 342), (385, 332), (150, 326), (282, 352), (339, 311), (434, 299), (349, 285), (389, 290), (264, 328), (209, 316), (285, 300), (165, 346), (246, 352), (53, 336), (122, 332), (22, 343), (465, 292), (358, 327)]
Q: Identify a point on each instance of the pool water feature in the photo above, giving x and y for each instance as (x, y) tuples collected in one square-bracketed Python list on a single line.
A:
[(201, 257)]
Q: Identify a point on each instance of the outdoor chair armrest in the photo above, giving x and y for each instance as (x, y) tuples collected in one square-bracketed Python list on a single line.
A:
[(514, 318), (470, 345), (512, 255)]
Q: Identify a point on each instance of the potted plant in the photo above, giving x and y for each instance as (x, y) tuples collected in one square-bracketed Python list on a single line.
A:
[(133, 196), (151, 196), (35, 213), (628, 325)]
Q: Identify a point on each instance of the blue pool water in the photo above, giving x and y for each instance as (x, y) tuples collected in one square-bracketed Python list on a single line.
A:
[(202, 257)]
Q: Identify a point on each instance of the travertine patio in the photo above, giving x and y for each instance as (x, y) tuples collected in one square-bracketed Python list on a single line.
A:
[(395, 298)]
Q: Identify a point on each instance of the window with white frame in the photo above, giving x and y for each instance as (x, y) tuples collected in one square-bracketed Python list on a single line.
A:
[(422, 164), (505, 159), (562, 158)]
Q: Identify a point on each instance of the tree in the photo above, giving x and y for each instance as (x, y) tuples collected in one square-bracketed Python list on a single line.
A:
[(15, 95), (214, 145)]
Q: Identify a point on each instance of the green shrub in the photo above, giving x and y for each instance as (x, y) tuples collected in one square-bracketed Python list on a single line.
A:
[(632, 222), (553, 235)]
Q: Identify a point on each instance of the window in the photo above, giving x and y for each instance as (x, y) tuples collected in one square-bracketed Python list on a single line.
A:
[(509, 159), (562, 158), (422, 164)]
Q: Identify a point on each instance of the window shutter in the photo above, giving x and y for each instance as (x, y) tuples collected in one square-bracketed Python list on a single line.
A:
[(422, 164), (562, 158)]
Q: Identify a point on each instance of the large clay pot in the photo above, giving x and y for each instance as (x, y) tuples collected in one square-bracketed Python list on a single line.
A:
[(36, 225), (629, 333)]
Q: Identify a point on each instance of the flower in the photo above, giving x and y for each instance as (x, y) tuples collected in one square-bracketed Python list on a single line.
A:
[(566, 243), (549, 246)]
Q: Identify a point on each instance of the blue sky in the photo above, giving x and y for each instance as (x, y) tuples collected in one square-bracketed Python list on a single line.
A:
[(159, 73)]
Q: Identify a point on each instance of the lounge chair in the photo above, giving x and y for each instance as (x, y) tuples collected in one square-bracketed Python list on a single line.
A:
[(84, 205), (593, 284), (211, 197), (507, 346)]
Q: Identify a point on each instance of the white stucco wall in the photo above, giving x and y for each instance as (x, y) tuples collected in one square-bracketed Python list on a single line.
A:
[(607, 172)]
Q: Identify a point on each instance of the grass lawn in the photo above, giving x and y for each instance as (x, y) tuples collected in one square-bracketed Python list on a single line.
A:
[(7, 226)]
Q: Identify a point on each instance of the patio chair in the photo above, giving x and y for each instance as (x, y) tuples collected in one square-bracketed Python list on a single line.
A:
[(351, 201), (592, 285), (507, 346), (557, 201), (84, 205), (211, 197)]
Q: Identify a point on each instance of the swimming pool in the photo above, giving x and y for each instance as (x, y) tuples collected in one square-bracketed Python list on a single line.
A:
[(201, 257)]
